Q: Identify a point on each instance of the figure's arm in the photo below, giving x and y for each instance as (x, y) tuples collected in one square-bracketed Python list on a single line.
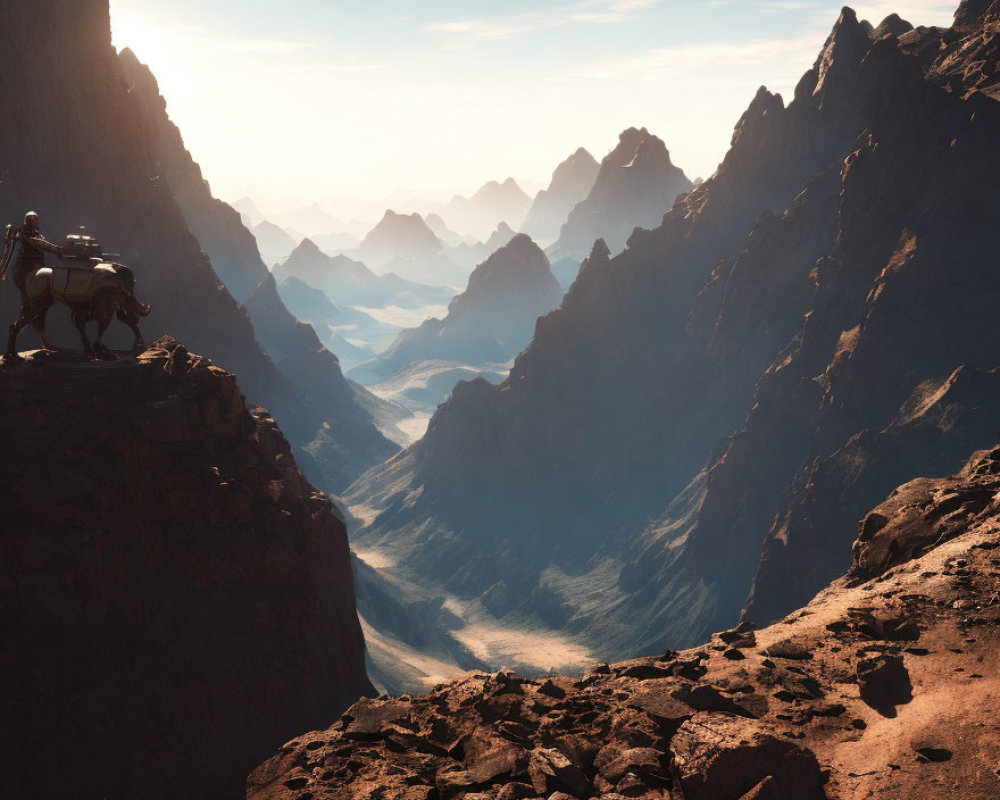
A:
[(44, 244)]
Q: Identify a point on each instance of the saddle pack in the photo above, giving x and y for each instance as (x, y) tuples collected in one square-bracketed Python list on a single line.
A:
[(72, 284)]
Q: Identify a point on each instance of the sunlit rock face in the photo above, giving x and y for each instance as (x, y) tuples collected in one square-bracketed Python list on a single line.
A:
[(177, 598), (786, 339), (636, 185)]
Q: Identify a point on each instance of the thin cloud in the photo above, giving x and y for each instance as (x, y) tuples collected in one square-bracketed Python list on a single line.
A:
[(671, 62), (918, 12), (789, 5), (467, 32), (233, 45)]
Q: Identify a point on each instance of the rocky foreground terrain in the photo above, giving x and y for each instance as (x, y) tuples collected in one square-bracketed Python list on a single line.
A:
[(885, 685), (176, 599)]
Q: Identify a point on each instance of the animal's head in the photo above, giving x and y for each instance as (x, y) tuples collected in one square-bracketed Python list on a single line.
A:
[(127, 300)]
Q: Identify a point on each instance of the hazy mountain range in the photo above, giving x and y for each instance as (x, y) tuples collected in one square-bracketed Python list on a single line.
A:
[(801, 333)]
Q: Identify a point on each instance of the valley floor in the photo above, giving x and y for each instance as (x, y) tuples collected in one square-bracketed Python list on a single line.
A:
[(463, 631)]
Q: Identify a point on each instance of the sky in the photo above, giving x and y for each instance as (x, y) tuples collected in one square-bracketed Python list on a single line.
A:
[(347, 103)]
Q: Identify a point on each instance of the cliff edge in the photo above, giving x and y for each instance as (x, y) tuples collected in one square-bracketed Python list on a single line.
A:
[(175, 598)]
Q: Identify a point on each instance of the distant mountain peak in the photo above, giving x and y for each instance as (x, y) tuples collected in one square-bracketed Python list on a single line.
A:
[(571, 182), (307, 247), (635, 145), (624, 198)]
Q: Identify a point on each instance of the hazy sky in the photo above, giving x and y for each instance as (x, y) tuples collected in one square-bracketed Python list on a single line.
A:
[(316, 100)]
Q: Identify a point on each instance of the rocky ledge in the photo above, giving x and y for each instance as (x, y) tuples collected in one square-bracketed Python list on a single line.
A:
[(885, 684), (175, 597)]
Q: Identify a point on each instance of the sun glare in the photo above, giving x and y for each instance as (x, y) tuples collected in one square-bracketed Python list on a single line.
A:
[(159, 48)]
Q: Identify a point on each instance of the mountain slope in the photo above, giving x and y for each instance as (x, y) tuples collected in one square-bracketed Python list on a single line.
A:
[(274, 243), (343, 450), (350, 283), (571, 182), (837, 262), (490, 322)]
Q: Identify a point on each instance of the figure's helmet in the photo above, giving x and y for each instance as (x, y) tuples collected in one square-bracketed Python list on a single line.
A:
[(31, 220)]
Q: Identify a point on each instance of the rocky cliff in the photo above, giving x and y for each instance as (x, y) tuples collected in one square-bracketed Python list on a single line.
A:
[(571, 182), (636, 185), (490, 322), (882, 685), (792, 328), (176, 598)]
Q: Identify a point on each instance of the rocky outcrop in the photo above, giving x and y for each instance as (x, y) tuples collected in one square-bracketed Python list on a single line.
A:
[(489, 323), (970, 50), (879, 685), (176, 599), (571, 184), (402, 243), (825, 284), (636, 185)]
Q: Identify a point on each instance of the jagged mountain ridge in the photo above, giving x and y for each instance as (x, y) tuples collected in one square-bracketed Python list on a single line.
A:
[(342, 439), (635, 186), (749, 289), (177, 598), (571, 182), (348, 282)]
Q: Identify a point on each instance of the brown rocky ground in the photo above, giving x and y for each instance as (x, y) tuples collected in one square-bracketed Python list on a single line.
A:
[(885, 685)]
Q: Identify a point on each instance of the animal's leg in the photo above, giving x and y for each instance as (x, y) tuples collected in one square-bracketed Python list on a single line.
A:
[(131, 318), (80, 320), (103, 320), (39, 315)]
